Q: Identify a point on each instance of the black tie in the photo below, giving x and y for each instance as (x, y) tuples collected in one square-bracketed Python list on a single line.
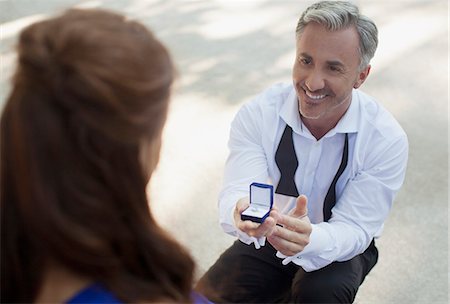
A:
[(287, 162)]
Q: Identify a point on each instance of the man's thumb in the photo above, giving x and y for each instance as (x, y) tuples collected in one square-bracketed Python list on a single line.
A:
[(301, 208)]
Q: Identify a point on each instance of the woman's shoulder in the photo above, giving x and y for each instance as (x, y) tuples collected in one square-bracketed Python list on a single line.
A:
[(97, 294), (94, 293), (199, 298)]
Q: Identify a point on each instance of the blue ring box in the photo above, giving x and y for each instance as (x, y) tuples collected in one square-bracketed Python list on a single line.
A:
[(261, 201)]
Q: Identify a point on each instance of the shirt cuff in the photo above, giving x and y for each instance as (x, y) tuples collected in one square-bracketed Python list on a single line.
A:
[(320, 243), (246, 239)]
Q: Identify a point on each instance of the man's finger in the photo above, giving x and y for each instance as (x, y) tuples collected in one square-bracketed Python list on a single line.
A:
[(266, 226), (301, 208)]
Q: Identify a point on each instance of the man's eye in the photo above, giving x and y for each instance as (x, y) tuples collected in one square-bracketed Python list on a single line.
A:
[(335, 68), (305, 61)]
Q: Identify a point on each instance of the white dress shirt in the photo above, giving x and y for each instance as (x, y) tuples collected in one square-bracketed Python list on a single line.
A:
[(378, 153)]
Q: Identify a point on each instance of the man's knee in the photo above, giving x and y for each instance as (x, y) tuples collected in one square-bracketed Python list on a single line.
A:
[(335, 283), (243, 274), (335, 293), (233, 277), (220, 282), (311, 288)]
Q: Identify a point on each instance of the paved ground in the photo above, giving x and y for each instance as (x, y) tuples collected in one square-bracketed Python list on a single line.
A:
[(228, 51)]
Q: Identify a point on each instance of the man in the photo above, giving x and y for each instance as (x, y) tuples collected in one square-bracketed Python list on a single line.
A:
[(325, 139)]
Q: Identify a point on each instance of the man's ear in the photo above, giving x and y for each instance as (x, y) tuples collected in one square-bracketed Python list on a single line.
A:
[(362, 77)]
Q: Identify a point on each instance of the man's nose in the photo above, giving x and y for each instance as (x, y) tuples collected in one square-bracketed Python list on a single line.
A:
[(315, 81)]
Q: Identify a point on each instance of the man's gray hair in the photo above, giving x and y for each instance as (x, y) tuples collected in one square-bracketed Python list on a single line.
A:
[(336, 15)]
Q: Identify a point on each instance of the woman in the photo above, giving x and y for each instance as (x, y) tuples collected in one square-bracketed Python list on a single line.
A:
[(80, 137)]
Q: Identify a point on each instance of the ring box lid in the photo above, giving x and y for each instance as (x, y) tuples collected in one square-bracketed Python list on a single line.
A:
[(261, 195)]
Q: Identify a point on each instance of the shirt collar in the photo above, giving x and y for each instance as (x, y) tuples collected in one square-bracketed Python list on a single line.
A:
[(289, 112), (347, 124)]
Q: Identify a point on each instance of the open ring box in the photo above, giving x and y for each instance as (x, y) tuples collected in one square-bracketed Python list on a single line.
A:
[(261, 201)]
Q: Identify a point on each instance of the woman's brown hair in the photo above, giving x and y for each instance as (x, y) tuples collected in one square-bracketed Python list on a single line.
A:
[(89, 87)]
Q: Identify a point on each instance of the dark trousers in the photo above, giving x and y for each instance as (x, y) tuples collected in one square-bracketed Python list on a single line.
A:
[(243, 274)]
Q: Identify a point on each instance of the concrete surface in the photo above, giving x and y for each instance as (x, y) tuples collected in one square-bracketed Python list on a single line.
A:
[(227, 52)]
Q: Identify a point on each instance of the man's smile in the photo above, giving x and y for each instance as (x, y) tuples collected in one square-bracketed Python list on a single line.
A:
[(314, 98)]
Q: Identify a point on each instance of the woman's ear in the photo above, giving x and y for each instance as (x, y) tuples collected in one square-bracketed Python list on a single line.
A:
[(362, 77)]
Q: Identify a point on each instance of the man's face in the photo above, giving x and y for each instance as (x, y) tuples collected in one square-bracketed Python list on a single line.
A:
[(326, 69)]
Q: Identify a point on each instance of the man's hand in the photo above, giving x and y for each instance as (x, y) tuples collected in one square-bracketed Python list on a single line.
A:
[(293, 236), (251, 228)]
